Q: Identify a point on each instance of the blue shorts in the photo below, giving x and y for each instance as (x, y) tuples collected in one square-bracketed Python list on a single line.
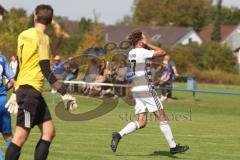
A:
[(5, 117)]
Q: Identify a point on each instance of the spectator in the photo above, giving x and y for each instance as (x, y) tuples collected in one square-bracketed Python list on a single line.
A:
[(120, 78), (14, 64), (166, 80), (72, 72), (101, 76), (106, 90), (114, 69), (59, 67), (91, 74), (102, 68)]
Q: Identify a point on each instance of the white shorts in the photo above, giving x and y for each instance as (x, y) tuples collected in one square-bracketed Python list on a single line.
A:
[(147, 102)]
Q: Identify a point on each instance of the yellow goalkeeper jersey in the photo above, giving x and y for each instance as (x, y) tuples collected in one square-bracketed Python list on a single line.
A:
[(33, 46)]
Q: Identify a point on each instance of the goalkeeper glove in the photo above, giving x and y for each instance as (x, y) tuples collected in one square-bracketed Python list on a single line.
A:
[(12, 105), (69, 102)]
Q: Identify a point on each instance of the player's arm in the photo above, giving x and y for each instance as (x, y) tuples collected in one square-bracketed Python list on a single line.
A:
[(10, 84), (17, 70), (11, 104), (44, 62), (68, 100), (9, 75), (51, 78), (43, 51), (174, 69), (158, 52)]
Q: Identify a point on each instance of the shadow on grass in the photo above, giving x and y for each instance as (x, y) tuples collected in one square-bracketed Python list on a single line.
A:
[(156, 153)]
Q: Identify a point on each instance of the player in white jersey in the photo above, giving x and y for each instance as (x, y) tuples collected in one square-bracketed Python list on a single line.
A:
[(146, 99)]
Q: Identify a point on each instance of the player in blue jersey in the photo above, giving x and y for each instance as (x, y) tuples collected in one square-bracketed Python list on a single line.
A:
[(5, 118), (166, 80)]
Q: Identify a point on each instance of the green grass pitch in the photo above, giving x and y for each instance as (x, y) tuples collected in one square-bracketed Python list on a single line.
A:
[(208, 123)]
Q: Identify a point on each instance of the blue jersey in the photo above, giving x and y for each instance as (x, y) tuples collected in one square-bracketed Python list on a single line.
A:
[(5, 71), (168, 71), (59, 68)]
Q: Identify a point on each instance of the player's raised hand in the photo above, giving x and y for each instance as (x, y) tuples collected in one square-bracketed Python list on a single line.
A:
[(69, 102), (145, 40), (12, 105)]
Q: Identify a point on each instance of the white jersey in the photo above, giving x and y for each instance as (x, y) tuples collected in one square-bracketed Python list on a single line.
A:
[(138, 57)]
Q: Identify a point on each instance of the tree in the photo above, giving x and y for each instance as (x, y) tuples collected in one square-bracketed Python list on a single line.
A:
[(84, 25), (183, 57), (70, 46), (230, 16), (216, 34), (31, 21), (209, 56), (188, 13), (127, 20), (15, 21), (93, 38), (217, 57)]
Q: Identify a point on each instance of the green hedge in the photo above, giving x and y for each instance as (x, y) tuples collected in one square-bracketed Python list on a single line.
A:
[(217, 77), (210, 63)]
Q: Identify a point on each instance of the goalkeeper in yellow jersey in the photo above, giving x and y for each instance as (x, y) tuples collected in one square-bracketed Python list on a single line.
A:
[(34, 66)]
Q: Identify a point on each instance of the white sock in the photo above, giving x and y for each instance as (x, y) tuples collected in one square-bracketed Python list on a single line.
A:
[(167, 132), (130, 128)]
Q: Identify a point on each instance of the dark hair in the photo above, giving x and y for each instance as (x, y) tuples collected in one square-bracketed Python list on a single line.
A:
[(135, 37), (44, 14), (105, 63)]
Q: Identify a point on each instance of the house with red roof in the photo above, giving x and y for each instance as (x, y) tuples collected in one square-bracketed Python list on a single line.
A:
[(167, 36)]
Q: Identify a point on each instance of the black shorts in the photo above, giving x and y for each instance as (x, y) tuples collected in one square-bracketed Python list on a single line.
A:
[(33, 110)]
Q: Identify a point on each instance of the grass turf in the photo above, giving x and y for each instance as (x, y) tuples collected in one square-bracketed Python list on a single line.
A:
[(208, 123)]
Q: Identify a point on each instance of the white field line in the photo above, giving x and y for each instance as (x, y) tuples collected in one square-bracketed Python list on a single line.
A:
[(95, 83), (146, 134)]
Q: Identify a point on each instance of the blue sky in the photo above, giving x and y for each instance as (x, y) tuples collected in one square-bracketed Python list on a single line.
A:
[(108, 11)]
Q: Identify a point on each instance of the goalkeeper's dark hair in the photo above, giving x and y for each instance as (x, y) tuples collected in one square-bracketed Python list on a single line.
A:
[(44, 14), (135, 37)]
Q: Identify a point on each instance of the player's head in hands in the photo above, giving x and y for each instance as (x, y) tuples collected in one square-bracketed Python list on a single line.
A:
[(43, 14), (138, 39)]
